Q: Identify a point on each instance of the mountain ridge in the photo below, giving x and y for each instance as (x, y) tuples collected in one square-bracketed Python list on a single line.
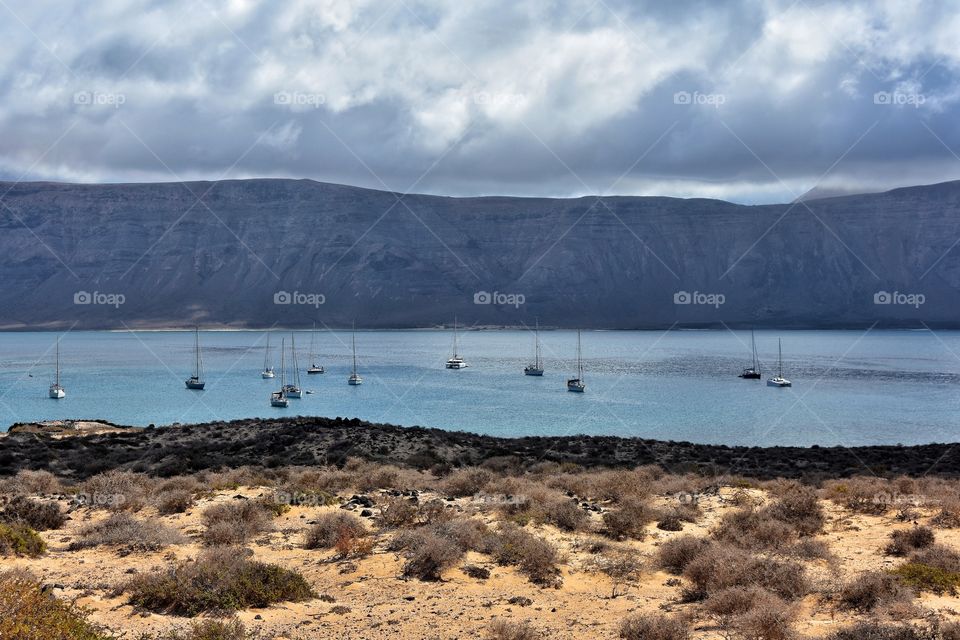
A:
[(416, 260)]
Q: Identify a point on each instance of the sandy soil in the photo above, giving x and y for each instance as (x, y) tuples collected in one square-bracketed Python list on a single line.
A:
[(384, 605)]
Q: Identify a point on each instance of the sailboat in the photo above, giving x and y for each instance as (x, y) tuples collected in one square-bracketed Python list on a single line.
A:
[(267, 367), (314, 368), (279, 398), (354, 378), (752, 372), (535, 369), (196, 380), (293, 390), (56, 391), (576, 384), (456, 362), (779, 380)]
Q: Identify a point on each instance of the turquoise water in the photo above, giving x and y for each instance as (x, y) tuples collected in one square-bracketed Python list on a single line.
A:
[(850, 387)]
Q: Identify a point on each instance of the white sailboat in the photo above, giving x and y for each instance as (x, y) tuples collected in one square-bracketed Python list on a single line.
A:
[(456, 362), (279, 398), (294, 390), (56, 390), (314, 368), (196, 380), (267, 366), (354, 378), (535, 369), (753, 371), (576, 384), (779, 380)]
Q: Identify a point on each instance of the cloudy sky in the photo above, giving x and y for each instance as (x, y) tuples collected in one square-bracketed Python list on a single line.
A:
[(747, 100)]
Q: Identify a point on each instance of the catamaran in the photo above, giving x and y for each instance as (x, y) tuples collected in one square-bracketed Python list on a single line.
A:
[(196, 380), (314, 368), (267, 367), (279, 398), (56, 390), (293, 390), (752, 372), (779, 380), (535, 369), (576, 384), (354, 378), (456, 362)]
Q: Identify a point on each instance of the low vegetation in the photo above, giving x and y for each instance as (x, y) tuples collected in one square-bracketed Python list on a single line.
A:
[(36, 514), (20, 540), (219, 581), (128, 533), (235, 522), (29, 613)]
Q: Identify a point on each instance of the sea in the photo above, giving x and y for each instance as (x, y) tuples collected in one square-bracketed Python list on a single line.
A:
[(853, 387)]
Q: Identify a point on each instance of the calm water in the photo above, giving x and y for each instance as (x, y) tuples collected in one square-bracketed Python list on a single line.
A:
[(849, 388)]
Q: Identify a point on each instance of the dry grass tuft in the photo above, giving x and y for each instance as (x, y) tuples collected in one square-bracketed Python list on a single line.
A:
[(127, 532)]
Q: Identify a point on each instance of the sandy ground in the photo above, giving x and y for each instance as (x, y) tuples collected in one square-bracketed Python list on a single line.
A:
[(384, 605)]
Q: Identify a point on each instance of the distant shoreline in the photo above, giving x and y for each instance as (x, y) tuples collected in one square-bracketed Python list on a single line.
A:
[(308, 441)]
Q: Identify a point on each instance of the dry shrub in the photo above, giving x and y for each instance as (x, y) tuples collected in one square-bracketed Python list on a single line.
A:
[(754, 529), (622, 566), (630, 520), (617, 486), (871, 589), (949, 515), (431, 556), (221, 580), (210, 630), (799, 507), (351, 546), (173, 501), (29, 613), (20, 540), (674, 555), (862, 495), (36, 514), (508, 630), (117, 490), (398, 512), (27, 482), (810, 549), (937, 555), (769, 618), (903, 541), (469, 533), (332, 527), (565, 514), (127, 532), (313, 479), (728, 603), (873, 630), (234, 522), (654, 626), (720, 567), (534, 557), (466, 482)]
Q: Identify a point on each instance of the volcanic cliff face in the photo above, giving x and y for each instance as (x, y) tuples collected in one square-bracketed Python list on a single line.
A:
[(221, 253)]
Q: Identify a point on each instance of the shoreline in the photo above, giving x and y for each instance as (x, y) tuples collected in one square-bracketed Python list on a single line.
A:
[(307, 441)]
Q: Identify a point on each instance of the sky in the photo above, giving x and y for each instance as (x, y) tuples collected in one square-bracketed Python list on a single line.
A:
[(753, 101)]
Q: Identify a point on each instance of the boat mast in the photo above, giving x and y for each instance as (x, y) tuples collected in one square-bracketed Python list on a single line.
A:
[(196, 346), (296, 367), (780, 355), (313, 355), (536, 337), (282, 378), (753, 347), (579, 359), (266, 354), (353, 339), (454, 336), (58, 362)]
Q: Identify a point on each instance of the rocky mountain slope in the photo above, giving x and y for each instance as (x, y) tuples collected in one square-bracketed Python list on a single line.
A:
[(223, 254)]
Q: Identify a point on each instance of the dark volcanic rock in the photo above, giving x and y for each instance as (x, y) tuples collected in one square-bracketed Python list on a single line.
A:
[(185, 449)]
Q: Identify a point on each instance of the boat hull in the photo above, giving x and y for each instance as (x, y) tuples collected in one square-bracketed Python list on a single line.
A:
[(532, 371), (355, 380), (314, 371), (750, 374), (575, 386), (267, 374), (57, 392), (279, 400), (779, 382), (456, 364), (196, 385), (293, 392)]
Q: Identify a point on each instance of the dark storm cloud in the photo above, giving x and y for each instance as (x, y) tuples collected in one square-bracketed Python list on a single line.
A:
[(754, 100)]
